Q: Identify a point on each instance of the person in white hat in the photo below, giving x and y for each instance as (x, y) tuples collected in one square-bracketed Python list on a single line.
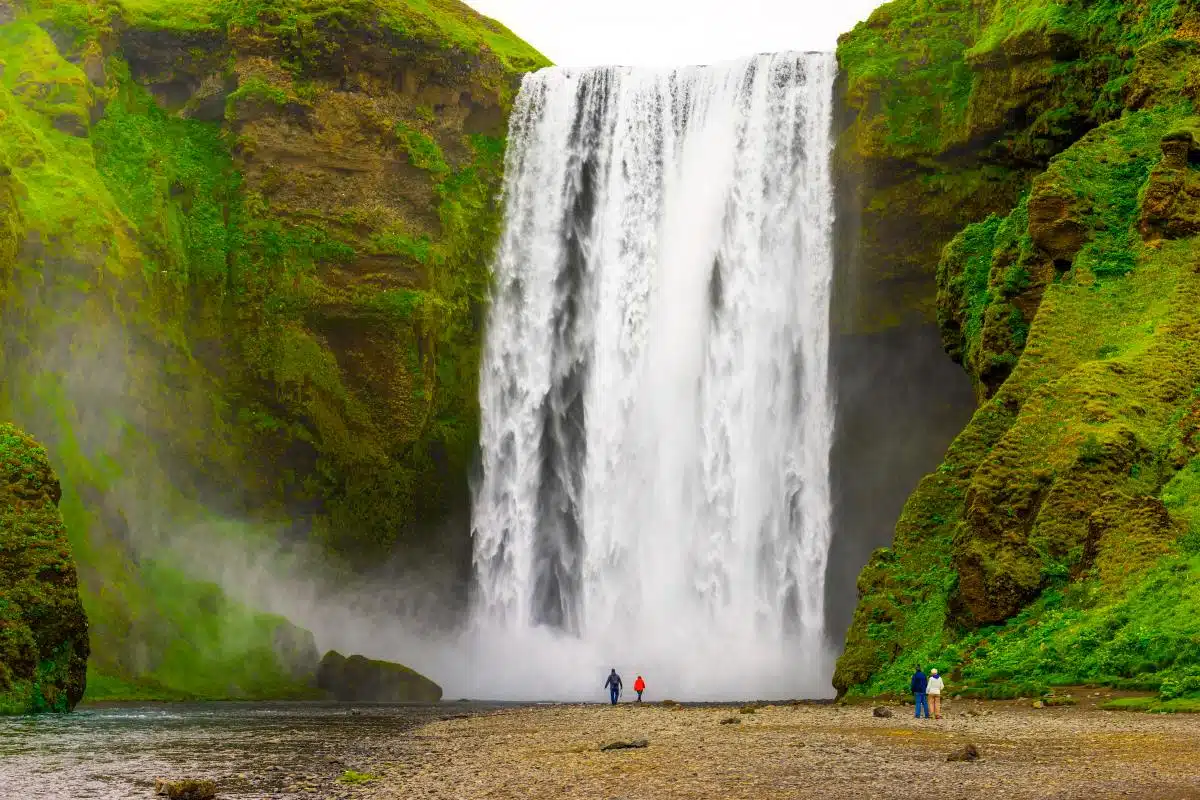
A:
[(934, 690)]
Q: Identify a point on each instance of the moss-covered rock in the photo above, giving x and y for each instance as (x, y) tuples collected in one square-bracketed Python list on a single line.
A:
[(43, 628), (246, 254), (1056, 543), (949, 108), (362, 680)]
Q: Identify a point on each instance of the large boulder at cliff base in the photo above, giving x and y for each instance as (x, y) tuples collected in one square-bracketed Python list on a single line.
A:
[(362, 680), (43, 629)]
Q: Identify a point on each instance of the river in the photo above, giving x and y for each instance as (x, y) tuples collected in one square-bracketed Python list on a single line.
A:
[(251, 750)]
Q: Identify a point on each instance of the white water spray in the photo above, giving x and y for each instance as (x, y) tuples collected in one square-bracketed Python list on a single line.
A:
[(656, 412)]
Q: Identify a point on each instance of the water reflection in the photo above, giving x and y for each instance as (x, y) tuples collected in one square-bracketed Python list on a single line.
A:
[(252, 750)]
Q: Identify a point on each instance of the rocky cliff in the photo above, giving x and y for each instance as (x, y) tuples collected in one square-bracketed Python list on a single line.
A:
[(43, 629), (1036, 160), (243, 260)]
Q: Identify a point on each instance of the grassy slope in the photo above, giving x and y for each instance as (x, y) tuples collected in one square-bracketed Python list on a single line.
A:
[(441, 24), (148, 234), (1057, 544)]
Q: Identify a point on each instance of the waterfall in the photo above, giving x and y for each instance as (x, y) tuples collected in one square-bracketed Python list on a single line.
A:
[(655, 392)]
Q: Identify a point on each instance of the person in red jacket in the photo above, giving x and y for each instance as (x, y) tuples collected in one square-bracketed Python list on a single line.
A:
[(639, 686)]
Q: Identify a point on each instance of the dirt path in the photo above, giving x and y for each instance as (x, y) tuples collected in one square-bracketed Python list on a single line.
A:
[(801, 752)]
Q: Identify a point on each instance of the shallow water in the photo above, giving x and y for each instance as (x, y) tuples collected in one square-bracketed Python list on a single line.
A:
[(251, 750)]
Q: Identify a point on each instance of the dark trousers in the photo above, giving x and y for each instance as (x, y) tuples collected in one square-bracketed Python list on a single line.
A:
[(639, 697), (614, 693), (920, 701)]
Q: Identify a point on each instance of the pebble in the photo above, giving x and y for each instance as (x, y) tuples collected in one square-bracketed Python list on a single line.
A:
[(823, 752)]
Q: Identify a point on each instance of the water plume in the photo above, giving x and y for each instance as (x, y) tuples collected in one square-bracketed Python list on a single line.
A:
[(657, 417)]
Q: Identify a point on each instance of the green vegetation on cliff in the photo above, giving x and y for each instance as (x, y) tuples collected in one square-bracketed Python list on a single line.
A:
[(43, 629), (245, 254), (950, 107), (1056, 544)]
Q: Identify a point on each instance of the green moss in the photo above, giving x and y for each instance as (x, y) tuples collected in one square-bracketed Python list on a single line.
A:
[(1040, 553), (43, 629), (166, 263), (305, 24), (423, 152), (352, 777), (255, 89), (952, 107)]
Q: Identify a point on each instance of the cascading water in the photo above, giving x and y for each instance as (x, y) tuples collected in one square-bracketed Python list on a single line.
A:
[(656, 412)]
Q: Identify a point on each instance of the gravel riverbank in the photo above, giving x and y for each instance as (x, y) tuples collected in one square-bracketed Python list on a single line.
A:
[(801, 751)]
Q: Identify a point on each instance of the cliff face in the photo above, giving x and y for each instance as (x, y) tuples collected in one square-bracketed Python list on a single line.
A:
[(1056, 543), (43, 629), (244, 259)]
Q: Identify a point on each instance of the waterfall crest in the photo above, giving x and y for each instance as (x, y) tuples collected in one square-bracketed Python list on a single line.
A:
[(655, 391)]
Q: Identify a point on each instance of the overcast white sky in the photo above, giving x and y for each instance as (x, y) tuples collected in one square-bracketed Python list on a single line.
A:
[(674, 32)]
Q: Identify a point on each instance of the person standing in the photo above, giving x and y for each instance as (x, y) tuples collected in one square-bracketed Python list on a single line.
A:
[(613, 684), (934, 691), (639, 686), (919, 685)]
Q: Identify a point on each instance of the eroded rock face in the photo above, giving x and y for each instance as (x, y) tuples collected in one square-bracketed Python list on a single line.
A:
[(262, 252), (1067, 479), (1171, 201), (43, 628), (363, 680)]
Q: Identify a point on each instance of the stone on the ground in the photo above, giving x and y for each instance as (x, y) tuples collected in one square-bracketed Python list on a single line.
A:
[(185, 789), (636, 744), (363, 680), (966, 753), (731, 721), (883, 712)]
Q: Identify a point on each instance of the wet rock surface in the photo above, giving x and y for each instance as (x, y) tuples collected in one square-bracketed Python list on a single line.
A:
[(801, 752)]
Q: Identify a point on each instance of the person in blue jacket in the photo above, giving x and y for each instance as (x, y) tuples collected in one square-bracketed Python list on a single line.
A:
[(919, 683), (613, 684)]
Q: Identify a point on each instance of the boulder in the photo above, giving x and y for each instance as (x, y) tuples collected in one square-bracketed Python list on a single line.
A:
[(966, 753), (185, 789), (364, 680), (731, 721), (883, 712), (43, 628)]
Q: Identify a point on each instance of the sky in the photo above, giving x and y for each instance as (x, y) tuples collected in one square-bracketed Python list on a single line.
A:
[(673, 32)]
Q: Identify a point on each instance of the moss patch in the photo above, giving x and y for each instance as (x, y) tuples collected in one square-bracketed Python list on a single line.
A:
[(43, 629)]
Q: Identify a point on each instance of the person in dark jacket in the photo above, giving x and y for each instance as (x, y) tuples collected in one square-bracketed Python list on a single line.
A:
[(918, 685), (613, 684)]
